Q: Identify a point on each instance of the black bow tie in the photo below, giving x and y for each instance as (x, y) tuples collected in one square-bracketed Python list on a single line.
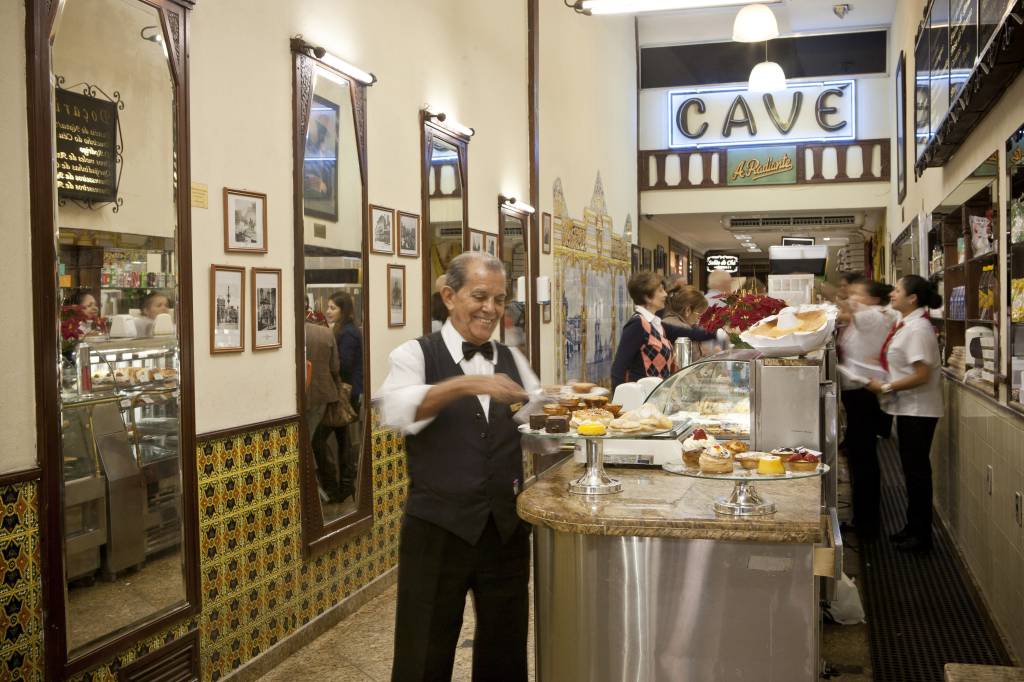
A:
[(470, 349)]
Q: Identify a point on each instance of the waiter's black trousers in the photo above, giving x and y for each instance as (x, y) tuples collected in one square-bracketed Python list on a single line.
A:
[(435, 571), (864, 422), (915, 435)]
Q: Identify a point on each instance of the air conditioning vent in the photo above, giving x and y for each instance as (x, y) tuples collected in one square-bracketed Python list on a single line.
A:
[(803, 221)]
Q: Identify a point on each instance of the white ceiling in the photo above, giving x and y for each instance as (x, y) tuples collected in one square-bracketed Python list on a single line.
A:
[(794, 17), (705, 232)]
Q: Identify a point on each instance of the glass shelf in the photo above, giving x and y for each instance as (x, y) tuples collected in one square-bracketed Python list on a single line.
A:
[(744, 499), (677, 428)]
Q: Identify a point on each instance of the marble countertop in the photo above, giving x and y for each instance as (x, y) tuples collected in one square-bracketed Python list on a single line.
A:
[(962, 672), (655, 503)]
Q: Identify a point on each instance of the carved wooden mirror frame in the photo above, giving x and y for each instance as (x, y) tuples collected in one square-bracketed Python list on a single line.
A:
[(429, 129), (41, 16), (318, 535)]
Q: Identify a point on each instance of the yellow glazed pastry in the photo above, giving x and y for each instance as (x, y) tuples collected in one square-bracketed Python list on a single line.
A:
[(770, 465), (591, 429)]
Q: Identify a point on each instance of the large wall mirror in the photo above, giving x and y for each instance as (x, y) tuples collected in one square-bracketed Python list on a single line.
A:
[(445, 208), (109, 112), (514, 251), (332, 320)]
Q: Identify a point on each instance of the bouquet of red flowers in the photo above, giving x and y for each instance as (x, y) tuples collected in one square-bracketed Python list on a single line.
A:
[(740, 312), (74, 326)]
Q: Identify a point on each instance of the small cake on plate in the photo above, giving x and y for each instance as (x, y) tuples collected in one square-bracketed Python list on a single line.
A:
[(715, 460), (770, 465), (694, 445), (538, 421), (557, 424), (749, 460)]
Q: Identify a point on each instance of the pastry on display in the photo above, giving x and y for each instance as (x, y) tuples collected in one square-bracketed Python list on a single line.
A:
[(691, 458), (591, 428), (698, 440), (803, 461), (770, 465), (783, 324), (614, 409), (737, 446), (595, 400), (557, 424), (749, 460), (582, 386), (591, 414), (624, 425), (784, 452), (554, 409), (538, 421), (715, 460)]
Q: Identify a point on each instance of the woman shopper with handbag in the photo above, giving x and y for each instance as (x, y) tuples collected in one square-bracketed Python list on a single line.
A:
[(340, 313)]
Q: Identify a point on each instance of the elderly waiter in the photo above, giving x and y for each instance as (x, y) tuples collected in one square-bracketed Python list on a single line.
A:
[(453, 394)]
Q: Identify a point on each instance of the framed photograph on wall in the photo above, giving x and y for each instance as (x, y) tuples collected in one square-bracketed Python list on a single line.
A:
[(396, 295), (634, 257), (266, 308), (646, 259), (476, 240), (491, 244), (545, 232), (245, 221), (408, 235), (382, 227), (901, 128), (227, 309), (320, 162)]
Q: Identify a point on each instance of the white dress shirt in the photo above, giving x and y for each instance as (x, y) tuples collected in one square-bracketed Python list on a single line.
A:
[(862, 338), (914, 342), (651, 318), (405, 387)]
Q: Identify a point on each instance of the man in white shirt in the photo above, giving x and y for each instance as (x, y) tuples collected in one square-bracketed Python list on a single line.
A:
[(453, 394), (719, 286)]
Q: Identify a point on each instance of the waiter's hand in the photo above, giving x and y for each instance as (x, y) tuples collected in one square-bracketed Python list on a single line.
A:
[(875, 386), (501, 388)]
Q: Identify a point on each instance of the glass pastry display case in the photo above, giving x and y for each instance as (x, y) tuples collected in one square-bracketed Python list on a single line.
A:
[(713, 394), (121, 455)]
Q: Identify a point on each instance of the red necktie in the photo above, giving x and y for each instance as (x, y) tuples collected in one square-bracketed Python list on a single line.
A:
[(882, 359)]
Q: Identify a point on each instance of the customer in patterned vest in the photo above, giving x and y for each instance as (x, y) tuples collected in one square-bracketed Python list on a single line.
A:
[(453, 393), (645, 348)]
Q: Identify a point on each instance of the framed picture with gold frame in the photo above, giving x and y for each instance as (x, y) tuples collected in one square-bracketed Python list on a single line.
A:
[(227, 309), (245, 221), (266, 308), (396, 296)]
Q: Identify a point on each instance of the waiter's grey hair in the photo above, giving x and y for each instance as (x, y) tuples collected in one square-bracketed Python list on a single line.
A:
[(458, 268)]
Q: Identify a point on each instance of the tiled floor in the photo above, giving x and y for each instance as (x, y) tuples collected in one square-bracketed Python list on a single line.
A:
[(359, 648)]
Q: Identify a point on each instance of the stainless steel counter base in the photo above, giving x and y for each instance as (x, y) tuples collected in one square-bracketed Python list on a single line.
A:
[(638, 609)]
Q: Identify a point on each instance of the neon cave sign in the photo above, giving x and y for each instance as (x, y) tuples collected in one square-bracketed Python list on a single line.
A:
[(731, 116)]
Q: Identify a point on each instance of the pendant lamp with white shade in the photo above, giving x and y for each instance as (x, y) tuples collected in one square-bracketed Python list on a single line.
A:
[(755, 23), (766, 77)]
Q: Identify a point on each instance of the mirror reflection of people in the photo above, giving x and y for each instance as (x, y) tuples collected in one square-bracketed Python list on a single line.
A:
[(153, 304), (645, 348), (438, 310), (339, 483), (323, 367), (683, 308), (719, 287), (452, 393)]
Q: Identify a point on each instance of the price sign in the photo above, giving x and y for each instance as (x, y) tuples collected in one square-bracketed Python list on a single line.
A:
[(86, 147)]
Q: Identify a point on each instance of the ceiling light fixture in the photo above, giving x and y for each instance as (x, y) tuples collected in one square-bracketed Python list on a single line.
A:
[(766, 76), (589, 7), (755, 23)]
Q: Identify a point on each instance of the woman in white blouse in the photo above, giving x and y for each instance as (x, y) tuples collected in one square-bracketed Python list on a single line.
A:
[(910, 355), (867, 319)]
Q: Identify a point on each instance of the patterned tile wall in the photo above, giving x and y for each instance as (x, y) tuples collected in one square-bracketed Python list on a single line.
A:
[(256, 585), (21, 614)]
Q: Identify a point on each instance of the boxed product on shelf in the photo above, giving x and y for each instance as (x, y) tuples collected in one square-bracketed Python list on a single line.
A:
[(957, 303), (961, 252), (1017, 220), (981, 235), (1017, 300)]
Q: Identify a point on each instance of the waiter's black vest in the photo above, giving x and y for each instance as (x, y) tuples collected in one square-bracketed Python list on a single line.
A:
[(462, 467)]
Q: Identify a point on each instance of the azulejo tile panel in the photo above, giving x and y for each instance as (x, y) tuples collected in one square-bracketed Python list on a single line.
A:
[(21, 617), (256, 585)]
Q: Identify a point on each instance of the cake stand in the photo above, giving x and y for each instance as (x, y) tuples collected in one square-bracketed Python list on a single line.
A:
[(594, 480), (744, 499)]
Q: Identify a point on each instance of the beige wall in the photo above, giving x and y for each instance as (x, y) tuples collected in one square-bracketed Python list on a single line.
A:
[(17, 399), (587, 121), (476, 72)]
